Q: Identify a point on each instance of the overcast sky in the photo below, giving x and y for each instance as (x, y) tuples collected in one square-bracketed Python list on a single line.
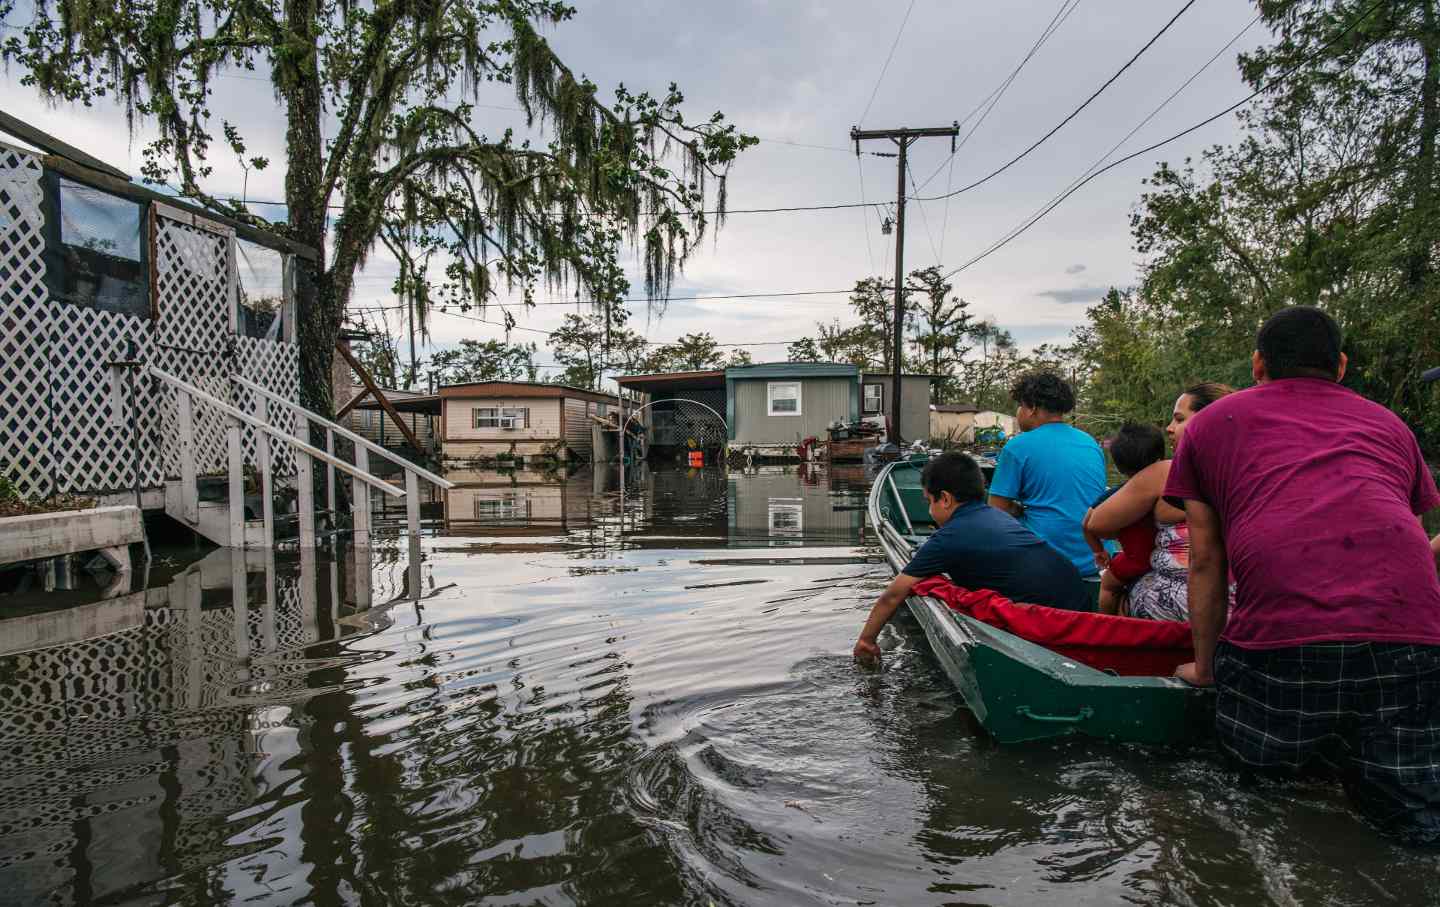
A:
[(803, 71)]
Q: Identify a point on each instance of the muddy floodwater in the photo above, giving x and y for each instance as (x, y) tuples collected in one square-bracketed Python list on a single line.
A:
[(549, 701)]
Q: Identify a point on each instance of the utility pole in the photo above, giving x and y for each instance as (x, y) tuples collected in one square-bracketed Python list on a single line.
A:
[(902, 139)]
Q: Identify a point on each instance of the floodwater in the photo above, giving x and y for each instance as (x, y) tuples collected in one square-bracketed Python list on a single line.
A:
[(546, 702)]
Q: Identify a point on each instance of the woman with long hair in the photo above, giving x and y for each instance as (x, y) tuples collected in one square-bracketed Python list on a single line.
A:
[(1162, 593)]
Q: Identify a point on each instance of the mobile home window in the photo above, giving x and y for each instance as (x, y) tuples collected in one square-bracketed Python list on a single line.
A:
[(874, 398), (97, 253), (501, 417), (784, 398)]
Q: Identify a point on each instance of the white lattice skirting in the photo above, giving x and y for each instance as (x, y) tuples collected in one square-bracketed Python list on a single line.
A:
[(59, 425)]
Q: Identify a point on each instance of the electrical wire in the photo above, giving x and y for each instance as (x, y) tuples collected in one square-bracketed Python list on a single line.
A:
[(1075, 187), (518, 327), (865, 214), (881, 78), (924, 218), (582, 302), (1066, 8), (1072, 115)]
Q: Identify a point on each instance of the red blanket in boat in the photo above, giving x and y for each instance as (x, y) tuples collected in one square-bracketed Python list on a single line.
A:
[(1126, 645)]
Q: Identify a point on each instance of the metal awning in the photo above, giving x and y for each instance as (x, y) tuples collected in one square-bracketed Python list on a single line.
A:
[(428, 404), (674, 381)]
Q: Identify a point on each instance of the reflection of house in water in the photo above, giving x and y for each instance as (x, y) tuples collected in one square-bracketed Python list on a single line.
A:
[(527, 501), (125, 752), (775, 505), (668, 507)]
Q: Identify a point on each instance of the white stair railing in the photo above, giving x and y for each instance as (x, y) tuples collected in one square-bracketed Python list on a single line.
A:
[(363, 448), (305, 453)]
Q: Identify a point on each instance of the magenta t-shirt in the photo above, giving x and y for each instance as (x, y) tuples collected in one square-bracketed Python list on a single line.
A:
[(1318, 490)]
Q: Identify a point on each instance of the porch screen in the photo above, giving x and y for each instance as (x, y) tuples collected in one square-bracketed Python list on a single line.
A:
[(100, 261)]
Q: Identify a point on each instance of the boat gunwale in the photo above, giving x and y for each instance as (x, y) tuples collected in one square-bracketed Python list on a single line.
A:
[(962, 630)]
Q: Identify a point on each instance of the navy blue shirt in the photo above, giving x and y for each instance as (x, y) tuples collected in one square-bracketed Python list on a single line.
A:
[(984, 548)]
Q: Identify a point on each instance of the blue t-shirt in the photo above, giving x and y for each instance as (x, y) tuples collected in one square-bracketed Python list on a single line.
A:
[(984, 548), (1057, 471)]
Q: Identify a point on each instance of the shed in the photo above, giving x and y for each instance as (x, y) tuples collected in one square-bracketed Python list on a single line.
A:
[(521, 419), (876, 391)]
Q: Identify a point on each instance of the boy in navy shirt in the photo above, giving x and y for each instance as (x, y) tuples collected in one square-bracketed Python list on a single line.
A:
[(978, 547)]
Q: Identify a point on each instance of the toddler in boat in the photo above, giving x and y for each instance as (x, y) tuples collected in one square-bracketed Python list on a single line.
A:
[(1133, 448)]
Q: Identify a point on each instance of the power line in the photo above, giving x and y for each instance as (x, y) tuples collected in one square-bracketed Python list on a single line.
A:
[(924, 218), (1074, 113), (1054, 203), (1066, 8), (865, 214), (888, 58), (518, 327), (582, 302)]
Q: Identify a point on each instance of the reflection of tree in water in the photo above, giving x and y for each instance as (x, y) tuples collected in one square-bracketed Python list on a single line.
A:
[(480, 782), (125, 754)]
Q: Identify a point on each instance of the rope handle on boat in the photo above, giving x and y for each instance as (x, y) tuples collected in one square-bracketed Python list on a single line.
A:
[(1025, 712)]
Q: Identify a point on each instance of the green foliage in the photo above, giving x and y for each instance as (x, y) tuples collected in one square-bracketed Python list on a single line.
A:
[(466, 212), (485, 360), (9, 492), (1329, 199), (694, 353), (941, 337)]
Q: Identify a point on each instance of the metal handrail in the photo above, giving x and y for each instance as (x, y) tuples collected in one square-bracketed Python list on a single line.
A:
[(271, 430), (346, 433)]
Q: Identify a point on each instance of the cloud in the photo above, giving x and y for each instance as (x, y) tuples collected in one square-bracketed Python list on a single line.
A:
[(1074, 269), (1075, 294)]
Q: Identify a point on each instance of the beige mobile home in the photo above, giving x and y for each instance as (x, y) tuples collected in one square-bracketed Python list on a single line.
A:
[(526, 420)]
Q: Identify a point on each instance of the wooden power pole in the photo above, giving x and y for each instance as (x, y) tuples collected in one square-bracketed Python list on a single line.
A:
[(902, 139)]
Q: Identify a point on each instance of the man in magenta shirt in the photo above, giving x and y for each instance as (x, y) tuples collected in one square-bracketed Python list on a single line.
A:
[(1308, 495)]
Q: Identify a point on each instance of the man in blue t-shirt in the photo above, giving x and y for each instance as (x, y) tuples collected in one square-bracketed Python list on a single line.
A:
[(978, 547), (1052, 472)]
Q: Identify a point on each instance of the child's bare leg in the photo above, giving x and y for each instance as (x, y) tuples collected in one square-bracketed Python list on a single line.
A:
[(1111, 590)]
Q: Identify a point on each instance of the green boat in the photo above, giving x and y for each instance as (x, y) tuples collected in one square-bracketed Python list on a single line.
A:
[(1019, 690)]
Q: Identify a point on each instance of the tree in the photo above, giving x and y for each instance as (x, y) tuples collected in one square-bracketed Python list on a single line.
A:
[(874, 340), (942, 323), (379, 355), (579, 345), (400, 158), (590, 345), (804, 350), (690, 353), (485, 360)]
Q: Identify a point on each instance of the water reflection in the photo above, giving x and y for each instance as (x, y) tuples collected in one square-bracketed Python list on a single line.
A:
[(771, 505), (126, 751), (537, 708)]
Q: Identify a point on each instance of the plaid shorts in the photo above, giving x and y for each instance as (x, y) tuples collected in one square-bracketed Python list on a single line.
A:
[(1369, 711)]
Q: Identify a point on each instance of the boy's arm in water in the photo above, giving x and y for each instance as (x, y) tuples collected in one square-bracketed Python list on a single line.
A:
[(1209, 591), (885, 606)]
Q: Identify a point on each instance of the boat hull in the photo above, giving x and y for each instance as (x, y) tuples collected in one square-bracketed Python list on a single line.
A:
[(1021, 691)]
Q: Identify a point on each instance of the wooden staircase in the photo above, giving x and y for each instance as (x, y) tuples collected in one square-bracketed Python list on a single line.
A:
[(220, 509)]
